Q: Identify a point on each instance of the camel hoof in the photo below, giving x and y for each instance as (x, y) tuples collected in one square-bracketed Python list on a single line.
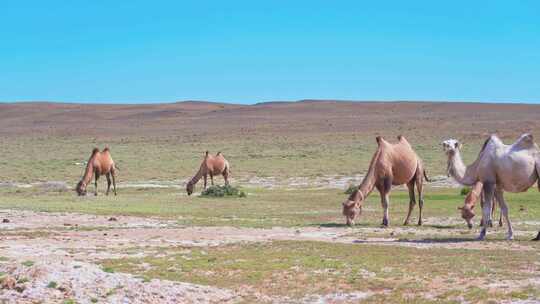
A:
[(406, 224), (509, 237), (419, 224), (537, 238), (482, 235)]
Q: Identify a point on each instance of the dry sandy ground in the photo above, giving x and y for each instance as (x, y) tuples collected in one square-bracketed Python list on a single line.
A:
[(64, 248)]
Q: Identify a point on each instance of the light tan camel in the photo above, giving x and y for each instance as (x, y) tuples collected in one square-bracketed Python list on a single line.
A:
[(499, 167), (211, 165), (467, 212), (100, 163), (392, 164)]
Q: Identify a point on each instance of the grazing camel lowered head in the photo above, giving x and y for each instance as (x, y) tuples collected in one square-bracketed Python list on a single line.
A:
[(100, 163), (392, 164), (467, 211), (211, 165), (499, 167)]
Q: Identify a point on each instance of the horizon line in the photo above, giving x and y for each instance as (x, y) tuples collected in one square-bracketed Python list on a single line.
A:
[(267, 102)]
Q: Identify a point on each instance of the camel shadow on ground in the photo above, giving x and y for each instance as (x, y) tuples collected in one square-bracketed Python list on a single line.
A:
[(421, 241), (339, 225)]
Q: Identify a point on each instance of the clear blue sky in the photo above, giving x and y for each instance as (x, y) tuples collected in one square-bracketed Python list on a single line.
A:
[(252, 51)]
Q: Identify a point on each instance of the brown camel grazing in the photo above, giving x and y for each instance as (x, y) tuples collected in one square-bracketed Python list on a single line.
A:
[(392, 164), (100, 163), (472, 197), (211, 165)]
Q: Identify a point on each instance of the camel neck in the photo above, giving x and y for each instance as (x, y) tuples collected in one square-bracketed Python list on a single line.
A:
[(89, 171), (368, 183), (195, 179), (465, 175)]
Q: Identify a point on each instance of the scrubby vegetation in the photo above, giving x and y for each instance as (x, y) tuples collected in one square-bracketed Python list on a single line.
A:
[(351, 189), (222, 191), (465, 191)]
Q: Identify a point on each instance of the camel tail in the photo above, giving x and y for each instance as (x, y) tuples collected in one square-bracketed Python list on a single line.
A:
[(537, 166), (426, 177)]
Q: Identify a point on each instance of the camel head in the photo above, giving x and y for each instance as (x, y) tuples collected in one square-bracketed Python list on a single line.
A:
[(352, 207), (81, 188), (450, 146), (189, 188), (467, 213)]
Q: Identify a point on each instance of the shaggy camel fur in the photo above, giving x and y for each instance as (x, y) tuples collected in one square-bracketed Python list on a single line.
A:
[(472, 197), (392, 164), (100, 163), (499, 167), (211, 165)]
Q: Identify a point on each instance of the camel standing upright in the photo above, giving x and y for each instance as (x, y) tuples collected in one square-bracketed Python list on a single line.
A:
[(392, 164), (100, 163), (499, 167), (211, 165)]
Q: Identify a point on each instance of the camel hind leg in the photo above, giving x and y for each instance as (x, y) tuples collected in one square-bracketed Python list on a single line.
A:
[(113, 175), (420, 188), (412, 201), (504, 210), (108, 176)]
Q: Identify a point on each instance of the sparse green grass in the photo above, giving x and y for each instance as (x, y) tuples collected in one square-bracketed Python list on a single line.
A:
[(296, 268), (172, 158), (52, 284), (28, 263), (262, 208)]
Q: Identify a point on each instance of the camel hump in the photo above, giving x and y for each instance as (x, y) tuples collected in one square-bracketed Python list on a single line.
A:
[(95, 150), (219, 153), (206, 153), (402, 138), (106, 149), (525, 141), (379, 140)]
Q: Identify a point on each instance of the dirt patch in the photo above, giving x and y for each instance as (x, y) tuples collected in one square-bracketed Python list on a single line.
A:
[(20, 219), (84, 283)]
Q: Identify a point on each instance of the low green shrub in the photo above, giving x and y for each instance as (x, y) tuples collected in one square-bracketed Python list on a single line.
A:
[(465, 191), (222, 191), (351, 189)]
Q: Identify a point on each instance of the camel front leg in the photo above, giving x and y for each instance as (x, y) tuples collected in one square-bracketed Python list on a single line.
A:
[(95, 183), (226, 177), (205, 181), (489, 189), (412, 202), (504, 210)]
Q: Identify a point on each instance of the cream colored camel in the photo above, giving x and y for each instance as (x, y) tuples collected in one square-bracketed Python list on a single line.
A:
[(392, 164), (100, 163), (499, 167), (211, 165)]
